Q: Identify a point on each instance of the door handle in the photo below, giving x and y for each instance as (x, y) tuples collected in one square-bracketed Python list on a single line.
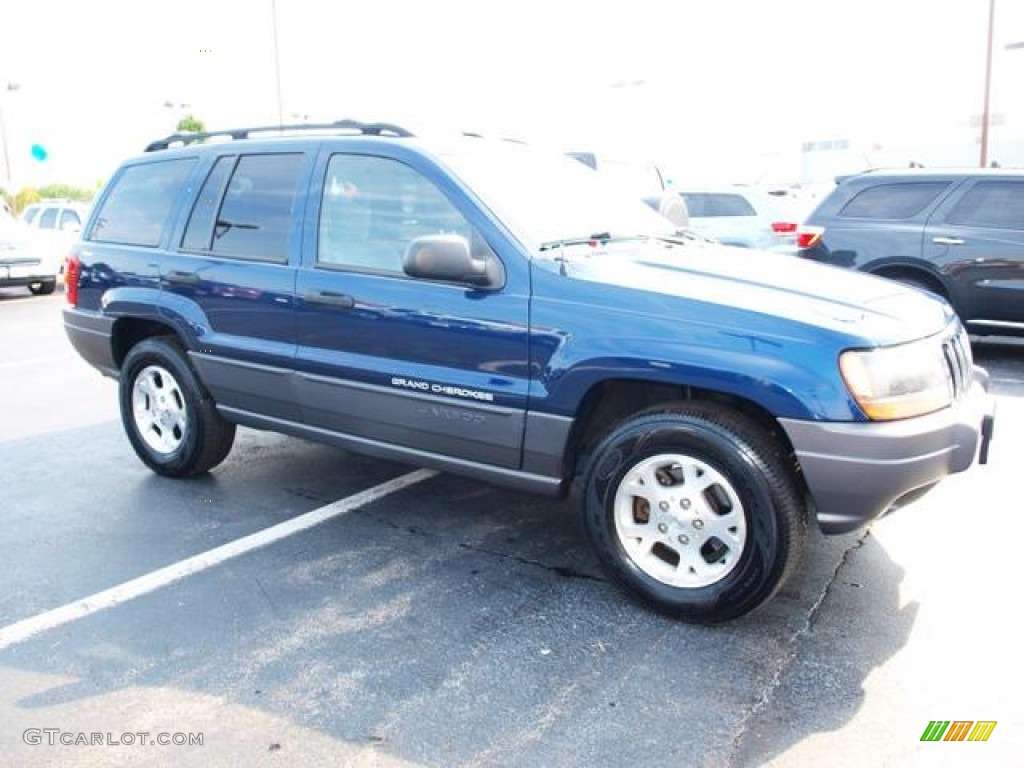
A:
[(330, 299), (181, 277), (948, 240)]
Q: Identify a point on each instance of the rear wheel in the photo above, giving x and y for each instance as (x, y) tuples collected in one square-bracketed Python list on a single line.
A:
[(692, 508), (171, 421)]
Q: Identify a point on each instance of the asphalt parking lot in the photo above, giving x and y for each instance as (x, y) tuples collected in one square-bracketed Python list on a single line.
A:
[(437, 621)]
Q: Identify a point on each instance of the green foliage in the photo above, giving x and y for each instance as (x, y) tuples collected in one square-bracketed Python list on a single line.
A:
[(66, 192), (191, 124), (29, 195), (25, 198)]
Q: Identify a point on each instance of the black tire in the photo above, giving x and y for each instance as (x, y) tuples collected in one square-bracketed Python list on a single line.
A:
[(43, 287), (751, 498), (170, 419)]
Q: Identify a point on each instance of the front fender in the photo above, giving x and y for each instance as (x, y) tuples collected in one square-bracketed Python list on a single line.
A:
[(805, 387)]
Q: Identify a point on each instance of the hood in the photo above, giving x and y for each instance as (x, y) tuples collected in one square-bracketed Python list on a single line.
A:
[(781, 286)]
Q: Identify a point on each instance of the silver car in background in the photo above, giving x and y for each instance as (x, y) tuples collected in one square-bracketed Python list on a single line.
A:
[(744, 216)]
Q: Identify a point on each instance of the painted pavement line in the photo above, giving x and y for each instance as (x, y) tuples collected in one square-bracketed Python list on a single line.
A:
[(108, 598)]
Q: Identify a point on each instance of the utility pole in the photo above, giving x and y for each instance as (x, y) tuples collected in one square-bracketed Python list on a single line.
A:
[(277, 63), (8, 181), (988, 84)]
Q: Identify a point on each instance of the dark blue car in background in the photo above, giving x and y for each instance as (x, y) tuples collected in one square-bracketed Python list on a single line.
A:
[(957, 233)]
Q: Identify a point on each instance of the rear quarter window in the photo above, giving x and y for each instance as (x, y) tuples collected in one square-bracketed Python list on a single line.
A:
[(902, 200), (137, 208)]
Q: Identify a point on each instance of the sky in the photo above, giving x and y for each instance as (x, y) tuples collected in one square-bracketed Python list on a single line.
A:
[(721, 89)]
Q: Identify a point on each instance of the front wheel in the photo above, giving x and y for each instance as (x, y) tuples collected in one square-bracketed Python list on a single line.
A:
[(693, 508), (171, 421)]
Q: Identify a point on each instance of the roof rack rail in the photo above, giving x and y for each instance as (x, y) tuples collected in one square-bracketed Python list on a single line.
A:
[(235, 134), (475, 135)]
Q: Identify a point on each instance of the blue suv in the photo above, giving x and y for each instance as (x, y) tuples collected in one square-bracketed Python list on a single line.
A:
[(483, 308)]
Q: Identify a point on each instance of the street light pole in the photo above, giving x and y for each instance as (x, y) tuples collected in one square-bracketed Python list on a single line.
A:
[(988, 84), (8, 181), (277, 63)]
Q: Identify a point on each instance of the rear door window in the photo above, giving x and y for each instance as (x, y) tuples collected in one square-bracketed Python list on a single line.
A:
[(199, 230), (255, 218), (995, 204), (893, 201), (137, 208)]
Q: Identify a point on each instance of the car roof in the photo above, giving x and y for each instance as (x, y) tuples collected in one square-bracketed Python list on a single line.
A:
[(930, 173), (435, 144)]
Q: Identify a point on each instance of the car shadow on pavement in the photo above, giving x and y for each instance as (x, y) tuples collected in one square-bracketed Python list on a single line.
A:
[(859, 625)]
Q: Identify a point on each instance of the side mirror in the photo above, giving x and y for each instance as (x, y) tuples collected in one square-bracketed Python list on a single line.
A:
[(447, 258)]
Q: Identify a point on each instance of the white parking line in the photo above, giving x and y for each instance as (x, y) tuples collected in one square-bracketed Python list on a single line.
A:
[(26, 628)]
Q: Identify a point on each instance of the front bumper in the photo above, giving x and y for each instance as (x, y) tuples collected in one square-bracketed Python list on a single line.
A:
[(856, 472)]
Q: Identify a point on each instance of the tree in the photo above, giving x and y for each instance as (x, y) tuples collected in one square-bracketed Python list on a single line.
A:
[(191, 124), (65, 192), (25, 198)]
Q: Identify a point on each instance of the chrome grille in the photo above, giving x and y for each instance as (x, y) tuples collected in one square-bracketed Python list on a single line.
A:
[(957, 351)]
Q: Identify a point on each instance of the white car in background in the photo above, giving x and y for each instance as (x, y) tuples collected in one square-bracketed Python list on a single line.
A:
[(56, 215), (25, 260), (57, 224), (744, 216)]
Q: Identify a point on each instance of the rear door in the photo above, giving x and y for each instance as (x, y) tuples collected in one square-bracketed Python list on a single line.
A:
[(425, 365), (230, 280), (978, 236)]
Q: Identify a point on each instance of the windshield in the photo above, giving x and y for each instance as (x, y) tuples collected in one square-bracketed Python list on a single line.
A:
[(549, 198)]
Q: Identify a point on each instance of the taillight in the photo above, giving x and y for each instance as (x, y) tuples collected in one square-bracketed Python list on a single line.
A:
[(783, 227), (72, 269), (807, 236)]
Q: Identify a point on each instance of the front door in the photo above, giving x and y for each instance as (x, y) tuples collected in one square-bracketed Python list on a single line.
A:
[(432, 366)]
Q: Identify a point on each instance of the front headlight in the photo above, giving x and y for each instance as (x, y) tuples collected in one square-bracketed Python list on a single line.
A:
[(898, 382)]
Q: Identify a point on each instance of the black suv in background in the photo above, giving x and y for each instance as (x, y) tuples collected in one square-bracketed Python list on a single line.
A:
[(957, 233)]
